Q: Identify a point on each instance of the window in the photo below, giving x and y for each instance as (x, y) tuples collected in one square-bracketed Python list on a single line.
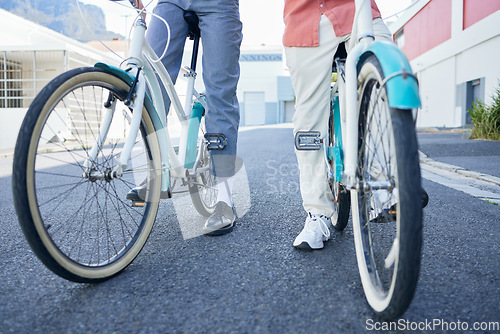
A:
[(399, 38), (10, 83), (24, 73)]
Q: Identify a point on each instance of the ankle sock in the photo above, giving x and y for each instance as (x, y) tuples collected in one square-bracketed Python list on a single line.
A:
[(225, 190)]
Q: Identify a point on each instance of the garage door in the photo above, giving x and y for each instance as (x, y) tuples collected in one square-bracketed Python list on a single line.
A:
[(255, 108)]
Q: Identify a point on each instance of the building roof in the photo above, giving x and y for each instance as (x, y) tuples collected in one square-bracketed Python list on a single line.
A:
[(26, 35)]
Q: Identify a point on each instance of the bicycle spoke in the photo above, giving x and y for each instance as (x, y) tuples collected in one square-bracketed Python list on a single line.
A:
[(61, 196), (62, 161), (76, 135), (127, 208)]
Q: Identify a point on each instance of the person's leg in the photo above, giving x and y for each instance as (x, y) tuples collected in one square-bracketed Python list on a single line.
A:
[(221, 38), (310, 72)]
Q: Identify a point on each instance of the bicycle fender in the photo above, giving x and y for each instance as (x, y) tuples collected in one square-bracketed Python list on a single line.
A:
[(402, 85), (125, 76)]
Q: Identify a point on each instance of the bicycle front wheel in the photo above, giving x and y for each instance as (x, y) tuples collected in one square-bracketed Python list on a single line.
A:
[(72, 209), (387, 202)]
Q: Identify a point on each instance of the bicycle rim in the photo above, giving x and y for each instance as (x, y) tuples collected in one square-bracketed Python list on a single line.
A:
[(203, 188), (388, 254), (81, 227)]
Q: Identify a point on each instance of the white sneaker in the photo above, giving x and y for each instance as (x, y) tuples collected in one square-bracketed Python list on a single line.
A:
[(316, 230)]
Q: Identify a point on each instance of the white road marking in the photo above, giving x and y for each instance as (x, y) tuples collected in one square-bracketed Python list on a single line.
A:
[(482, 186)]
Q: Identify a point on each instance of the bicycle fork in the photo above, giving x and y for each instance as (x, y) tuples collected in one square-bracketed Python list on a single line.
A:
[(135, 100), (89, 172)]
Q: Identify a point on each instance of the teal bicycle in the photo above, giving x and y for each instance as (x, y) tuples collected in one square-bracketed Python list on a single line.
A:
[(372, 157)]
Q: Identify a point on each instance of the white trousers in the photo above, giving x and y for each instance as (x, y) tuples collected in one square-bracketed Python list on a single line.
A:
[(310, 72)]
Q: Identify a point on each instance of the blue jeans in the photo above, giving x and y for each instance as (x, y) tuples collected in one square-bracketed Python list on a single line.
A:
[(221, 37)]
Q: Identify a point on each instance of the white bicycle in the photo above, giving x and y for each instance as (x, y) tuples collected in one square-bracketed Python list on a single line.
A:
[(92, 135), (376, 167)]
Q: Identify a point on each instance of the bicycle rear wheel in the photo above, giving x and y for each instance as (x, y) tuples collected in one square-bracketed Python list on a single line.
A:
[(76, 218), (387, 204), (341, 196), (202, 187)]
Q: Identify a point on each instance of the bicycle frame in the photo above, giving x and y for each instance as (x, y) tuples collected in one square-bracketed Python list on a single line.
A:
[(143, 67)]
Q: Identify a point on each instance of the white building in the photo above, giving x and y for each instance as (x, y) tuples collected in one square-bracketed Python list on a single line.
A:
[(265, 91), (454, 47), (30, 56)]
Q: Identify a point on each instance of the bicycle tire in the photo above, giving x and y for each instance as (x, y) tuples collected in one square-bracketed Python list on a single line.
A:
[(387, 222), (342, 197), (83, 228), (202, 187), (343, 208)]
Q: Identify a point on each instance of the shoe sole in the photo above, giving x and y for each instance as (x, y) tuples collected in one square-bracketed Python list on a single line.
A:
[(305, 246), (225, 230)]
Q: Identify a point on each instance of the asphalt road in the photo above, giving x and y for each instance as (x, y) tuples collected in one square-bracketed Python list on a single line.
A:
[(253, 280)]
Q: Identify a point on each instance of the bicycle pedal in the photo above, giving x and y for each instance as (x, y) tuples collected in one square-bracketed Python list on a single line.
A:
[(215, 141), (308, 140), (386, 216)]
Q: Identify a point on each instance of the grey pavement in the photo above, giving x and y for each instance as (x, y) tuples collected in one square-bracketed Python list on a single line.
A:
[(253, 280), (452, 147), (449, 158)]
